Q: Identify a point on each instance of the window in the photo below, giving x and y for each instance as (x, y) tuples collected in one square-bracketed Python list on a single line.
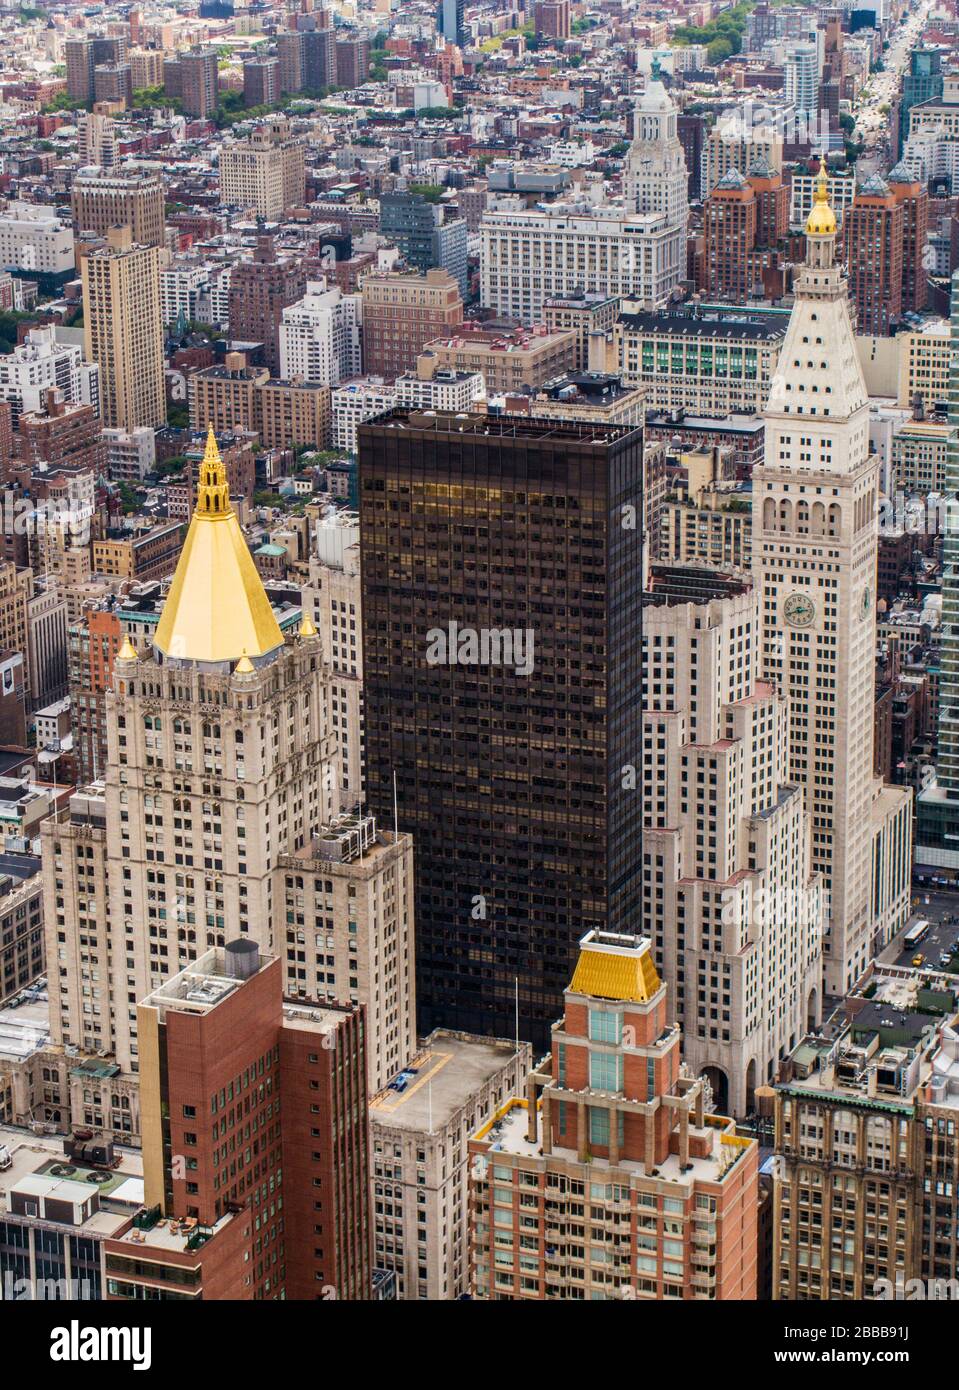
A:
[(606, 1071), (605, 1026), (598, 1125)]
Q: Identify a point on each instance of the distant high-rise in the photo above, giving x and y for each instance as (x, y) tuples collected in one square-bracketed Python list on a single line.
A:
[(79, 61), (655, 173), (97, 140), (113, 83), (320, 336), (261, 81), (417, 227), (937, 830), (873, 240), (265, 171), (501, 585), (923, 82), (451, 21), (352, 60), (93, 643), (83, 56), (99, 201), (123, 331), (260, 289), (912, 195), (802, 77), (290, 52), (402, 313), (193, 78), (551, 19)]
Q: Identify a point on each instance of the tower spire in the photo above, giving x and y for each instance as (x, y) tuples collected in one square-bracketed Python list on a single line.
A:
[(217, 610), (213, 490), (821, 220)]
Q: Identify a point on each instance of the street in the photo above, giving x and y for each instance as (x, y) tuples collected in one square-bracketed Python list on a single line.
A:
[(872, 124)]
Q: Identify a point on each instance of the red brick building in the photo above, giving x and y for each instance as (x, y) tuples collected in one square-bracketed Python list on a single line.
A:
[(255, 1137), (729, 232), (873, 241), (93, 643), (913, 197), (260, 290), (404, 312), (745, 223), (611, 1125)]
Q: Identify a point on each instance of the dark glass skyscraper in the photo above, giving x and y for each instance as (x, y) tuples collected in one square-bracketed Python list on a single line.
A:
[(501, 562)]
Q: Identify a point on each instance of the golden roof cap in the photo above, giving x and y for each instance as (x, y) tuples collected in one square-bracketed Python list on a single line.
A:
[(217, 609), (611, 972), (128, 651), (244, 667), (307, 626), (821, 220)]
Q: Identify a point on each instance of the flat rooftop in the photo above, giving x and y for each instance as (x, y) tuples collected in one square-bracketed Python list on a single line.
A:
[(705, 325), (442, 1078), (507, 1134), (500, 426), (170, 1235), (206, 982), (41, 1156), (24, 1030)]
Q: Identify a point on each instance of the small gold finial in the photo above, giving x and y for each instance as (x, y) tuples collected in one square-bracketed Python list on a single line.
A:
[(307, 626), (213, 492), (128, 651), (822, 219), (244, 667)]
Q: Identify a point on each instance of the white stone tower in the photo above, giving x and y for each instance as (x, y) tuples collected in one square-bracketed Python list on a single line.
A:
[(815, 544), (655, 175)]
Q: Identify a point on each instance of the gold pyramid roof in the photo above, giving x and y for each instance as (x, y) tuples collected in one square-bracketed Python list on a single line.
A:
[(627, 975), (216, 609)]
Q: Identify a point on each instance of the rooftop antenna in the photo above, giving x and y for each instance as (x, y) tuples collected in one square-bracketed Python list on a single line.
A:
[(396, 817), (516, 1007)]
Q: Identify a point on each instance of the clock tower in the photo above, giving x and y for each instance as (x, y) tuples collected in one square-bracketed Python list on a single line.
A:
[(815, 544)]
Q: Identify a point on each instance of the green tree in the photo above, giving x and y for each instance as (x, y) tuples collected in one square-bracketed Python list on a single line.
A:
[(432, 192), (720, 49)]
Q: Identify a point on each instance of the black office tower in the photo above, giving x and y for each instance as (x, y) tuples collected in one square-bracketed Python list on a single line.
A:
[(501, 563)]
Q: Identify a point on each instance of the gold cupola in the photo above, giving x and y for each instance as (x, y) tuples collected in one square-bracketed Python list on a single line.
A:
[(821, 220), (216, 609)]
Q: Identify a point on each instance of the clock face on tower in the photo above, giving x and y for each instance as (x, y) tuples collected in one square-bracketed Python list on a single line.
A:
[(865, 602), (799, 610)]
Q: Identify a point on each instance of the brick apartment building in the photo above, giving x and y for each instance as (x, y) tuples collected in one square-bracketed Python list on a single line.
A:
[(255, 1141)]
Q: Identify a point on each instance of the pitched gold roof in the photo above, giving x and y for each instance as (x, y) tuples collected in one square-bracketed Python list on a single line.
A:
[(128, 651), (216, 609), (627, 975), (307, 626), (821, 220)]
